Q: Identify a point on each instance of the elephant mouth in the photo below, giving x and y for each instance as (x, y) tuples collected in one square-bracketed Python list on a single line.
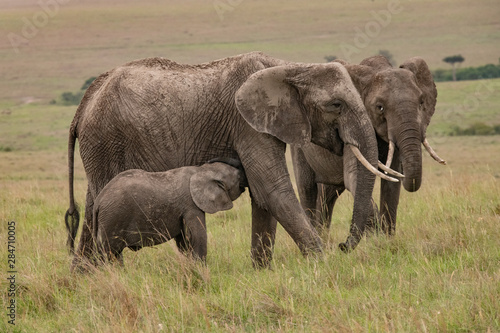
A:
[(337, 144), (427, 146)]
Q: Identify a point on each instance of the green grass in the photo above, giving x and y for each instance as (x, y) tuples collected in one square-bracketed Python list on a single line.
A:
[(465, 103), (87, 38), (440, 272)]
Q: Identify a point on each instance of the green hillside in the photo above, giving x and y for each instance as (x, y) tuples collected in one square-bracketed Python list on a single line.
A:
[(84, 38)]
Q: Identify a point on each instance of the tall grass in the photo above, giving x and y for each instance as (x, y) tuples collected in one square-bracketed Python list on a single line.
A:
[(440, 272)]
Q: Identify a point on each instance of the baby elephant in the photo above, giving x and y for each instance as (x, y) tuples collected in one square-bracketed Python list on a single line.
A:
[(139, 208)]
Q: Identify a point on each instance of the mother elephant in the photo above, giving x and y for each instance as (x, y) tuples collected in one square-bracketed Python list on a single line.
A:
[(400, 103), (155, 114)]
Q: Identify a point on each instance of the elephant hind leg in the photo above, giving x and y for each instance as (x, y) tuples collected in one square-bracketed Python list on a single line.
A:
[(327, 196)]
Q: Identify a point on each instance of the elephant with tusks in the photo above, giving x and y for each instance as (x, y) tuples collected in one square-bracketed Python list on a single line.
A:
[(155, 114), (400, 103)]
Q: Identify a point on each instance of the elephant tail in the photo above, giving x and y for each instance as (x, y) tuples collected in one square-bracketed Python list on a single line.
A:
[(72, 216)]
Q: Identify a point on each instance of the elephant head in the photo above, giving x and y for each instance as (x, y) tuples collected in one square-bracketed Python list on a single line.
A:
[(216, 185), (400, 103), (315, 103)]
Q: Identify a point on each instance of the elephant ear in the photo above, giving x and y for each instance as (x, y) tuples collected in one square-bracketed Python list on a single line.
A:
[(425, 82), (361, 76), (378, 63), (270, 103), (208, 191)]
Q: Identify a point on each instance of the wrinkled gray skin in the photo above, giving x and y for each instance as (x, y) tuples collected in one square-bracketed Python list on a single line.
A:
[(139, 208), (156, 115), (400, 103)]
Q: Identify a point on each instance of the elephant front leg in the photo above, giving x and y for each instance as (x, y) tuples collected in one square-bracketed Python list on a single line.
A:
[(263, 236), (389, 195), (273, 197), (193, 238), (389, 201)]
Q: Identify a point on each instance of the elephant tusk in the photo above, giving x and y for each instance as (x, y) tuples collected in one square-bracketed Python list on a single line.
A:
[(370, 167), (390, 154), (389, 170), (433, 153)]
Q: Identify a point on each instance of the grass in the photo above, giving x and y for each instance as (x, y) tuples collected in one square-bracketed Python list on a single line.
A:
[(464, 103), (87, 38), (440, 272)]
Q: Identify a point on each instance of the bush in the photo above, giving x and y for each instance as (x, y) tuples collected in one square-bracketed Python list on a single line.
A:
[(69, 98), (330, 58), (88, 83), (489, 71), (477, 128)]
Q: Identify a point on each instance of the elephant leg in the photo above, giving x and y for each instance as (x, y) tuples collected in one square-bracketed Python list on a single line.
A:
[(389, 196), (115, 257), (327, 196), (306, 186), (263, 236), (195, 240), (181, 242), (389, 201), (273, 196), (373, 224), (84, 254)]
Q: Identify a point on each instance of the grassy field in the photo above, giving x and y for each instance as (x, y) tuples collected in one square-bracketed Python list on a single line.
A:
[(85, 38), (440, 273)]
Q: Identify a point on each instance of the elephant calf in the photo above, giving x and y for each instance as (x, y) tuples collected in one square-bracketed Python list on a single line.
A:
[(139, 208)]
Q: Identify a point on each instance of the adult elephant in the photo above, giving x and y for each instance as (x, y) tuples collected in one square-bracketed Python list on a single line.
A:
[(155, 114), (400, 103)]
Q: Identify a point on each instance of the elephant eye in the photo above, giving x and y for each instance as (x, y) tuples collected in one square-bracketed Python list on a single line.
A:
[(221, 184), (333, 106), (380, 107)]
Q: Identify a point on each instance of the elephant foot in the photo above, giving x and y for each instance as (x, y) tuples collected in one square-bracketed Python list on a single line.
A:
[(343, 247), (350, 244), (262, 260), (83, 265)]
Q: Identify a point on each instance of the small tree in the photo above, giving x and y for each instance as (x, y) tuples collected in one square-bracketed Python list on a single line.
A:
[(453, 60), (388, 55), (88, 83), (330, 58)]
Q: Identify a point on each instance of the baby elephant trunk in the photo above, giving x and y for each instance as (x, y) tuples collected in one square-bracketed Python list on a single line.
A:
[(235, 163)]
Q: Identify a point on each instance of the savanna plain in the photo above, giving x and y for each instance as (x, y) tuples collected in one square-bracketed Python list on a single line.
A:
[(439, 273)]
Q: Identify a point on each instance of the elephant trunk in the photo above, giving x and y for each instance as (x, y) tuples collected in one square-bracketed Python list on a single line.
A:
[(362, 137), (409, 143)]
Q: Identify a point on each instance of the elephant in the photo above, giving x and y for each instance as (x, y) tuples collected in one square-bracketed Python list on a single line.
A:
[(400, 103), (139, 208), (155, 114)]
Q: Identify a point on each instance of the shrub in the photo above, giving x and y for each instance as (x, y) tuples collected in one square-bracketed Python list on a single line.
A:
[(330, 58), (88, 83), (69, 98), (489, 71), (478, 128)]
